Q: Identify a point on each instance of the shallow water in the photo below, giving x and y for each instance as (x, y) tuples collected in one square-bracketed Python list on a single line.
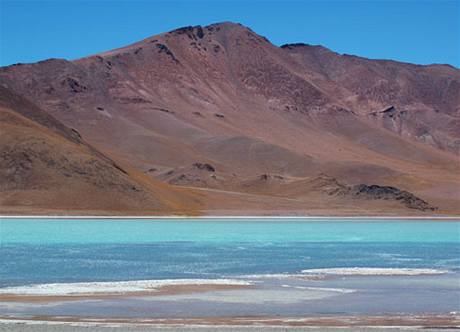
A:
[(398, 266), (264, 231)]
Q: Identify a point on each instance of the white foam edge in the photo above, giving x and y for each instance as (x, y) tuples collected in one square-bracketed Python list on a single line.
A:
[(78, 288), (373, 271), (322, 289)]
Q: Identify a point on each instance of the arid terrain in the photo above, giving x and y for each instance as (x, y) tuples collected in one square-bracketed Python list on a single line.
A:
[(217, 120)]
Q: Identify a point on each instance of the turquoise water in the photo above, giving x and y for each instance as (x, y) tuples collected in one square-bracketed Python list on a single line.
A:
[(69, 250), (131, 231), (270, 253)]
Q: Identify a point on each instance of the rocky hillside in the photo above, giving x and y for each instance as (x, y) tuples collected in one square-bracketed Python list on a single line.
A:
[(223, 96)]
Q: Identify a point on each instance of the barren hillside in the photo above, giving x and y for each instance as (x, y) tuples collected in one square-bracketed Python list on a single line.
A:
[(240, 126)]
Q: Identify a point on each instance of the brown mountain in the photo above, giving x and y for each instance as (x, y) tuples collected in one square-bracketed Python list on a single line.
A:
[(268, 121)]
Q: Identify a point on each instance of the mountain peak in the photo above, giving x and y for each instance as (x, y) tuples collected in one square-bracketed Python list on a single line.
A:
[(200, 30), (227, 25)]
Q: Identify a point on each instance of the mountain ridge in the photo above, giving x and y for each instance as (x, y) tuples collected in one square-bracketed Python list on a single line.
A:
[(225, 96), (284, 45)]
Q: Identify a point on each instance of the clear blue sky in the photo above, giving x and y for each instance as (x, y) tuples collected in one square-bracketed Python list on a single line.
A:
[(413, 31)]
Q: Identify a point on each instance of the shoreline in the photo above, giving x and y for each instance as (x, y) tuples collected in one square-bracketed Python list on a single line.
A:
[(428, 321), (348, 217), (159, 291)]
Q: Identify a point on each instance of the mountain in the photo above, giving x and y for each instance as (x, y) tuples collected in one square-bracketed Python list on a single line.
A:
[(246, 127)]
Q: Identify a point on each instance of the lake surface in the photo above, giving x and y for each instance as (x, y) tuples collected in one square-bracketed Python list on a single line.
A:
[(298, 266)]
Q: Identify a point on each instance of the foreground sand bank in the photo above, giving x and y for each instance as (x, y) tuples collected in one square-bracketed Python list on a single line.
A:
[(323, 323), (68, 328)]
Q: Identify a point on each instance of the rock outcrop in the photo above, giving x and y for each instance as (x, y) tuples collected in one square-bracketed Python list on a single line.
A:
[(390, 193), (331, 186)]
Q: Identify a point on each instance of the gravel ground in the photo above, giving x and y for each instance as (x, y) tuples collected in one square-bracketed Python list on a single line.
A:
[(18, 327)]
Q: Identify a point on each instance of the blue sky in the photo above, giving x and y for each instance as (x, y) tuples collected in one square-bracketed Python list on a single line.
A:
[(421, 32)]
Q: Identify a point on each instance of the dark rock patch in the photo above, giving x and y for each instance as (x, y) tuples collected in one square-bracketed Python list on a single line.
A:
[(109, 65), (183, 30), (390, 193), (164, 49), (329, 185), (204, 166), (119, 168), (216, 48), (288, 108), (389, 111), (164, 110), (74, 85), (266, 177), (293, 45), (192, 32), (76, 133), (199, 32)]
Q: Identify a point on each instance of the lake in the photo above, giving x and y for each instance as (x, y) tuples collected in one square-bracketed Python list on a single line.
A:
[(295, 267)]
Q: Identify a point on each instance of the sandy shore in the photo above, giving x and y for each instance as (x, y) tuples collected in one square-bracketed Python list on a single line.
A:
[(337, 323), (163, 290)]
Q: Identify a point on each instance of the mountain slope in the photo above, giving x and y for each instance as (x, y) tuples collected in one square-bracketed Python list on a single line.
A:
[(45, 166), (225, 96), (418, 102)]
